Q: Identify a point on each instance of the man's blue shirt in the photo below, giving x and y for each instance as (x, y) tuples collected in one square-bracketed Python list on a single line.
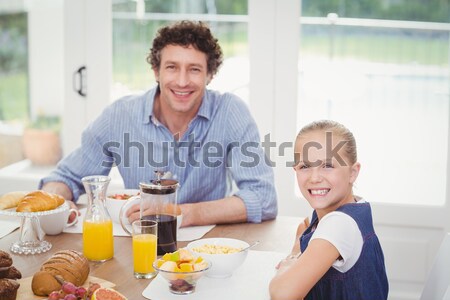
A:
[(220, 147)]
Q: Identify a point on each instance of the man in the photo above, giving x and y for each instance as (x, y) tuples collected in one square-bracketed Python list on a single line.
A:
[(206, 140)]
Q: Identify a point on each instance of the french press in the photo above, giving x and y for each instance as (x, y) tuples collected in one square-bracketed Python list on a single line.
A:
[(158, 202)]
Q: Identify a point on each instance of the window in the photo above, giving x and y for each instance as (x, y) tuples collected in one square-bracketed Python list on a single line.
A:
[(385, 75), (14, 105), (31, 72)]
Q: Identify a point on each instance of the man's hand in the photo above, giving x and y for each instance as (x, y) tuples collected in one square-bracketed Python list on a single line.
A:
[(133, 213), (223, 211), (72, 215), (63, 190)]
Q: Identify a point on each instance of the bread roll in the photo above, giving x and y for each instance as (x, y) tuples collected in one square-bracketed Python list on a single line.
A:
[(39, 201), (11, 199), (68, 265), (43, 283)]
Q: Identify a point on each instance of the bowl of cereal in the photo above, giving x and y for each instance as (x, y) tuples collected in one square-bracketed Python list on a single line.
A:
[(225, 254)]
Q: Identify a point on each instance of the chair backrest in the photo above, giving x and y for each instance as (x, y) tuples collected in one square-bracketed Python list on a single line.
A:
[(437, 286)]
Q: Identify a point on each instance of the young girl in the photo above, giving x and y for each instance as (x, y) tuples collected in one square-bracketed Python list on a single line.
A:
[(341, 257)]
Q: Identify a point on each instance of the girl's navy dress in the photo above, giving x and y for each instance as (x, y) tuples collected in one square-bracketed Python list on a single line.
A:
[(367, 278)]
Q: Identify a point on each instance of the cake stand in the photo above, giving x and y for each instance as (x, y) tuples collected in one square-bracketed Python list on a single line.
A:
[(31, 234)]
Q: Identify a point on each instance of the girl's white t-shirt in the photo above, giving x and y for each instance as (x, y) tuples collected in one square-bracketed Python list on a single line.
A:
[(342, 231)]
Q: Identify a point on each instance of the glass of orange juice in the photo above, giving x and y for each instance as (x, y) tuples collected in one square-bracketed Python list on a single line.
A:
[(145, 240)]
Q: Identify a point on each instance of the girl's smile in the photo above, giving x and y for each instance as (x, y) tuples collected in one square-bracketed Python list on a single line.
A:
[(318, 192)]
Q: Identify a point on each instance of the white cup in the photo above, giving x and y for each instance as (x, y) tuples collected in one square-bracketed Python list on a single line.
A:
[(54, 224)]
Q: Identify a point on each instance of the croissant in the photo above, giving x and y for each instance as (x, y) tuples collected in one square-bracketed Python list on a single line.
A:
[(11, 199), (39, 201)]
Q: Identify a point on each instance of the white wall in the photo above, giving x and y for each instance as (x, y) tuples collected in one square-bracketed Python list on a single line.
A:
[(45, 38)]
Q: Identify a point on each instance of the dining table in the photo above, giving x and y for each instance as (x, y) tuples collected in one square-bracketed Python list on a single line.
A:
[(274, 235)]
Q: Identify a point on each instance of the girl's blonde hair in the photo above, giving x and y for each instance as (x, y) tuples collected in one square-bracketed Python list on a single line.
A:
[(337, 128)]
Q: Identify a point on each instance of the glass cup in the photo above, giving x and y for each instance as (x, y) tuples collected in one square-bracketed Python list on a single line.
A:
[(145, 237)]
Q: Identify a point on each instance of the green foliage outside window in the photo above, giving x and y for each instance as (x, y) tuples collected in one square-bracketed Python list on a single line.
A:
[(407, 10), (13, 66), (226, 7), (46, 122)]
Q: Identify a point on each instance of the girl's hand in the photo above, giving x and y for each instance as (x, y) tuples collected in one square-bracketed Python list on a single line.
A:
[(287, 262)]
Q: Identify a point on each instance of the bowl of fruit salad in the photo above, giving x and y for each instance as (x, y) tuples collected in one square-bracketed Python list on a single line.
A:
[(182, 270), (115, 199)]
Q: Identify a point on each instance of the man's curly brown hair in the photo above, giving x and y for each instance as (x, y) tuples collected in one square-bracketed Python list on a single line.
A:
[(186, 33)]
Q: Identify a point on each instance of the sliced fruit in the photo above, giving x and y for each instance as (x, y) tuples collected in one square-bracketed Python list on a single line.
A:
[(167, 256), (200, 266), (107, 294), (185, 255), (175, 256), (186, 267), (160, 262), (181, 260), (170, 266)]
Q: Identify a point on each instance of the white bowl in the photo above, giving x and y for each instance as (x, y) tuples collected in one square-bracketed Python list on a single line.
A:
[(113, 205), (222, 265)]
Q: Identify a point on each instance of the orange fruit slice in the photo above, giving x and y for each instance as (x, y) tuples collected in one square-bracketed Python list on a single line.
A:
[(167, 256), (107, 294), (186, 267), (160, 262)]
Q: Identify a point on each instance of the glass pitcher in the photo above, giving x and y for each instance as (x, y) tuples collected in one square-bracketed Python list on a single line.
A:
[(157, 202), (98, 239)]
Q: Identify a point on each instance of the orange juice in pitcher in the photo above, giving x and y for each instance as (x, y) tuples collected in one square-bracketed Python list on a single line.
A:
[(98, 239), (98, 242)]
